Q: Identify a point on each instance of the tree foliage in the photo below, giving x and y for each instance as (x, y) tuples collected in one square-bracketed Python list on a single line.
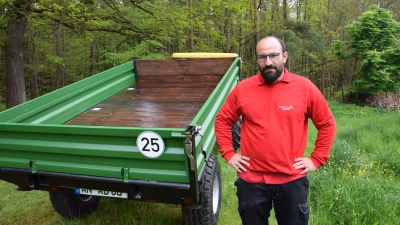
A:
[(65, 41), (373, 40), (375, 30)]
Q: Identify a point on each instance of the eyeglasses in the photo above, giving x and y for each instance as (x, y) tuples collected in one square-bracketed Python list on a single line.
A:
[(272, 57)]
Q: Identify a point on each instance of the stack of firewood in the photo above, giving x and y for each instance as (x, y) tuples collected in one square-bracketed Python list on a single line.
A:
[(383, 100)]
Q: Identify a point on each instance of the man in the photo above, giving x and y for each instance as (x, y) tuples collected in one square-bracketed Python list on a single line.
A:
[(275, 106)]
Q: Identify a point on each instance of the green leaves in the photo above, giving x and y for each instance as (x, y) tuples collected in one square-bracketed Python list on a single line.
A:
[(373, 42), (375, 30), (144, 50)]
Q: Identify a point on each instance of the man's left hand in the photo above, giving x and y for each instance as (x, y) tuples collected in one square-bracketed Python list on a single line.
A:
[(304, 163)]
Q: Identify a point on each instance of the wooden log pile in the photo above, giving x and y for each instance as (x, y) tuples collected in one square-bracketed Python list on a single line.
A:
[(384, 100)]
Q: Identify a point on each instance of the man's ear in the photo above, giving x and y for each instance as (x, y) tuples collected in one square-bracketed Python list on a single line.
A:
[(285, 56)]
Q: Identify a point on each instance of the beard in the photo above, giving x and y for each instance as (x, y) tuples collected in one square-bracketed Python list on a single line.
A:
[(271, 73)]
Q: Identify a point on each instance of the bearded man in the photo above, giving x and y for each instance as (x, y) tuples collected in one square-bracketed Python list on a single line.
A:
[(275, 106)]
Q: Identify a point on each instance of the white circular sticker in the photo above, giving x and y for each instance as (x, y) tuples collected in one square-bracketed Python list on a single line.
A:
[(150, 144)]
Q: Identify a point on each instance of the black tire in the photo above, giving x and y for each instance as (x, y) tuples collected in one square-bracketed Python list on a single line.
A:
[(73, 206), (236, 134), (210, 197)]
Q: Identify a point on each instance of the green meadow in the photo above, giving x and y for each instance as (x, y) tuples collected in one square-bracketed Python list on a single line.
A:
[(359, 184)]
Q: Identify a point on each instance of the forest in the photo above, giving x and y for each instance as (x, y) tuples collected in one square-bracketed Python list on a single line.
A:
[(348, 48)]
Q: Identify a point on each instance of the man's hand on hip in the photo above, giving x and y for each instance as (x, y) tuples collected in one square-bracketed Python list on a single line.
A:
[(304, 163)]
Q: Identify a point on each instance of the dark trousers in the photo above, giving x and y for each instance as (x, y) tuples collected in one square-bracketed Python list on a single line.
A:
[(289, 201)]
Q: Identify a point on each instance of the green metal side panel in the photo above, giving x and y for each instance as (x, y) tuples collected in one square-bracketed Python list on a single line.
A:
[(94, 151), (65, 103), (207, 139)]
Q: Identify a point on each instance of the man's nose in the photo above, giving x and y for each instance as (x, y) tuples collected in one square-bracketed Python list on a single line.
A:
[(268, 61)]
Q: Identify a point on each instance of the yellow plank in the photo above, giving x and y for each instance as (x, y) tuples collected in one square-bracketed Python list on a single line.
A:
[(204, 55)]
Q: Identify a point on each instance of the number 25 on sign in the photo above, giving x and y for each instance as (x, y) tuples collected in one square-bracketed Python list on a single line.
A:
[(150, 144)]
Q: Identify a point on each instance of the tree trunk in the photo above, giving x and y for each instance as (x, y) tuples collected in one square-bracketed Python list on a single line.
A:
[(323, 79), (305, 10), (31, 59), (275, 11), (59, 76), (284, 5), (93, 52), (93, 55), (191, 35), (15, 76), (228, 30), (256, 21)]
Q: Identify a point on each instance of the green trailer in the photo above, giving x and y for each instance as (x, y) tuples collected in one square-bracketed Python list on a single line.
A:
[(139, 131)]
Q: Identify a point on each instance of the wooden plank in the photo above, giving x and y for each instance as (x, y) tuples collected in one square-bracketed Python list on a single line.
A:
[(199, 79), (184, 62), (183, 66), (173, 71)]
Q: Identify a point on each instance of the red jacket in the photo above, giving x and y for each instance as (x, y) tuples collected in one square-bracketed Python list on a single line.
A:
[(275, 123)]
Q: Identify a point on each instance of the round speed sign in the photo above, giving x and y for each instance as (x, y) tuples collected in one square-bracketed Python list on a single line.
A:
[(150, 144)]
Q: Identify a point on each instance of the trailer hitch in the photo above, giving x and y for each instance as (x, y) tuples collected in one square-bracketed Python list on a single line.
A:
[(189, 144)]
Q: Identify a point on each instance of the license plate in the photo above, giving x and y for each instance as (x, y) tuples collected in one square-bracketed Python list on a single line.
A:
[(112, 194)]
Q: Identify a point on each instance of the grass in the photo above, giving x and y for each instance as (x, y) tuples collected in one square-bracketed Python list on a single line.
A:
[(359, 185)]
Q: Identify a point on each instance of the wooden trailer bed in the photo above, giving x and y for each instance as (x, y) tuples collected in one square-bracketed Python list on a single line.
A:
[(167, 94)]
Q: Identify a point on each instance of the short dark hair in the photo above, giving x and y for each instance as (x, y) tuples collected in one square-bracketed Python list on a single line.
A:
[(282, 44), (280, 41)]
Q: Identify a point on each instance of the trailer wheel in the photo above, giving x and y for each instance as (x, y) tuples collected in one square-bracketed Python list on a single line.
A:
[(73, 206), (236, 134), (210, 197)]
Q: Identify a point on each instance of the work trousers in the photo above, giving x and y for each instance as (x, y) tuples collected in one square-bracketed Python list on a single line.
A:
[(288, 200)]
